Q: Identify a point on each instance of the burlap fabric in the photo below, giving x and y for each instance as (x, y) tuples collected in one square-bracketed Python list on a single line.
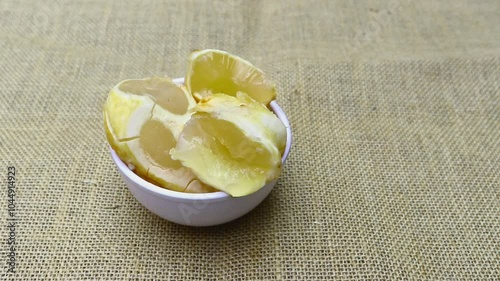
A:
[(393, 174)]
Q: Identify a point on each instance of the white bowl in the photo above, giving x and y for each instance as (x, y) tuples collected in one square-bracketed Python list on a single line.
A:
[(197, 209)]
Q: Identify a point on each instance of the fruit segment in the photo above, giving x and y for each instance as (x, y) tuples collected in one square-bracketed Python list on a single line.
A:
[(143, 119), (214, 71), (232, 143)]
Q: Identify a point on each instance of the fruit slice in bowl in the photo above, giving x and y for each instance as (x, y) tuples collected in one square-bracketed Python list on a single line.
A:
[(234, 144), (214, 71), (143, 119)]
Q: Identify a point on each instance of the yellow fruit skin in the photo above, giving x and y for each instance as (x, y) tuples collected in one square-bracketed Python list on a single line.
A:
[(123, 109), (122, 150), (263, 133), (118, 147), (214, 71)]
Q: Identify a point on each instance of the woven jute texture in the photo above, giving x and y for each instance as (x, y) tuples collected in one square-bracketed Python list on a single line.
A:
[(393, 173)]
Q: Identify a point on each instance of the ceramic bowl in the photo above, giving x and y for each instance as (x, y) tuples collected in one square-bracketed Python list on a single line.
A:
[(197, 209)]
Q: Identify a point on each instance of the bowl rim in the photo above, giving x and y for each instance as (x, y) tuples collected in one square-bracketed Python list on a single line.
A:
[(276, 108)]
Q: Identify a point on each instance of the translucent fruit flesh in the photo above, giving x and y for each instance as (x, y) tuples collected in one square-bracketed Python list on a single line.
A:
[(227, 145), (215, 71)]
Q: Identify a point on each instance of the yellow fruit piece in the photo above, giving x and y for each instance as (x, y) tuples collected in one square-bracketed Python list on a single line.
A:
[(214, 71), (232, 143), (143, 119)]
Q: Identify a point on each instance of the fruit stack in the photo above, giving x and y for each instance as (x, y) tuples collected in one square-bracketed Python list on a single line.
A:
[(215, 133)]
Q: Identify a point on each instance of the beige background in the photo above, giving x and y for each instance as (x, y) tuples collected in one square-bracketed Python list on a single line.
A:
[(394, 171)]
